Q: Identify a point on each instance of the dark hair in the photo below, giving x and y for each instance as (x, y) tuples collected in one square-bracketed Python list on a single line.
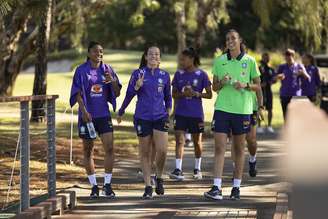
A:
[(143, 61), (91, 45), (192, 53), (243, 47), (310, 57)]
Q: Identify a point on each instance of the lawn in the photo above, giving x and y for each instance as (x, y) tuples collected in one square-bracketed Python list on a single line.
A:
[(124, 62), (59, 83)]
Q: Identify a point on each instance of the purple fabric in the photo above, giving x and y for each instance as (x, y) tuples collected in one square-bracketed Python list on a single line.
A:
[(95, 93), (190, 107), (154, 97), (309, 87), (291, 85)]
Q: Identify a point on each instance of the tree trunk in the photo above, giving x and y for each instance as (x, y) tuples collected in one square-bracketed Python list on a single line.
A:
[(40, 75), (180, 26), (204, 8)]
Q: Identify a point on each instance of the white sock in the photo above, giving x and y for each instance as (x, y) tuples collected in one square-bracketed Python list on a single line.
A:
[(252, 159), (188, 136), (236, 183), (178, 164), (107, 178), (233, 164), (218, 182), (92, 179), (198, 162)]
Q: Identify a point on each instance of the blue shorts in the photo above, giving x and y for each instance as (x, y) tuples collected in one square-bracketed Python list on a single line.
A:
[(102, 125), (145, 127), (254, 118), (188, 124), (224, 122)]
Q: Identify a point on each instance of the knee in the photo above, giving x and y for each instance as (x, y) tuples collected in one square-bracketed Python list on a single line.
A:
[(88, 153), (219, 149), (109, 150)]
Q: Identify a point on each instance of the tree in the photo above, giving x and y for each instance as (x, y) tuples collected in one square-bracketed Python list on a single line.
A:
[(180, 13), (17, 41), (40, 75)]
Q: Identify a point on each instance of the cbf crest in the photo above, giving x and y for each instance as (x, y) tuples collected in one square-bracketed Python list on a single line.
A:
[(195, 82)]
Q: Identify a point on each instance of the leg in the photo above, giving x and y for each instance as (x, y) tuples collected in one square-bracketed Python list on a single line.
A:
[(88, 156), (153, 157), (197, 139), (179, 144), (239, 144), (161, 143), (269, 117), (108, 145), (145, 144), (220, 140)]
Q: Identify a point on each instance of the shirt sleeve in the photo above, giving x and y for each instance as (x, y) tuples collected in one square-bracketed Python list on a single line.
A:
[(206, 80), (167, 93), (130, 93), (175, 80), (76, 87), (317, 77), (255, 73), (279, 70)]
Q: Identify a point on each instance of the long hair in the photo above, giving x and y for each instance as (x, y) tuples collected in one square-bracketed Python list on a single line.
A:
[(243, 47), (91, 45), (192, 53), (143, 61)]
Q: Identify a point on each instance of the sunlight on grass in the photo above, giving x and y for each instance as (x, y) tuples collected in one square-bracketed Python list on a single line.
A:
[(124, 62)]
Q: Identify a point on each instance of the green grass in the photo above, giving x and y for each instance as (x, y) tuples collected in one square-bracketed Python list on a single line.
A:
[(123, 63)]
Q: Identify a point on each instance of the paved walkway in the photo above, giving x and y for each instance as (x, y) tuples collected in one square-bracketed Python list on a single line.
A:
[(185, 199)]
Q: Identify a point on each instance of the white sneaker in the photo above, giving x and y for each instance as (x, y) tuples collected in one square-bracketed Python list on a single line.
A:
[(260, 130), (270, 129), (197, 174)]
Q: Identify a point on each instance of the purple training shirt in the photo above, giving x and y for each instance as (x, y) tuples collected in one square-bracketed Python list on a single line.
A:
[(190, 107), (154, 97), (95, 93), (309, 87), (291, 85)]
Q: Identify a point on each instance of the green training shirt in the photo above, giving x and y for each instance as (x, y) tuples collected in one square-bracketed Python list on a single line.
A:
[(243, 69)]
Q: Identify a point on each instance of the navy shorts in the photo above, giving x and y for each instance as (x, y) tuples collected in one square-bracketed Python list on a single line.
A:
[(102, 125), (145, 127), (188, 124), (254, 118), (224, 122)]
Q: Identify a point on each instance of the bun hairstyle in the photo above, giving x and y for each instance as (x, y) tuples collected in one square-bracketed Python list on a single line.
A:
[(192, 53), (143, 61), (243, 47), (91, 45)]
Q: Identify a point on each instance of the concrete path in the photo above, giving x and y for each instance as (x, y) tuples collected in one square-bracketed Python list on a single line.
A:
[(185, 199)]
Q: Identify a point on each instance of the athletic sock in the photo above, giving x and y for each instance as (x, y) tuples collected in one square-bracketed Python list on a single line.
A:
[(198, 162), (252, 159), (178, 164), (107, 178), (92, 179), (218, 182), (236, 183), (188, 136)]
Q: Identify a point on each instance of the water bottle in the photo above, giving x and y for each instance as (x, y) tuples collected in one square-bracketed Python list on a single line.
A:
[(92, 131)]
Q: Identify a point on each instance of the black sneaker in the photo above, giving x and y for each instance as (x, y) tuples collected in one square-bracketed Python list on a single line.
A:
[(107, 191), (177, 174), (215, 193), (252, 169), (94, 192), (197, 174), (235, 193), (148, 193), (159, 188)]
